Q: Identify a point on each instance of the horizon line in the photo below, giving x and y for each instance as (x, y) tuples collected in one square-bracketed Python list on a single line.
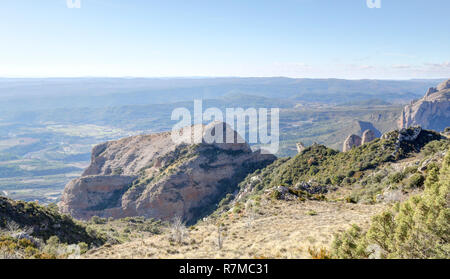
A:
[(214, 77)]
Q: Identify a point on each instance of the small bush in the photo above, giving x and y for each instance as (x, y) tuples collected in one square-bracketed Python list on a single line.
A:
[(396, 177), (97, 220), (276, 195), (319, 254), (178, 230), (311, 213), (83, 247), (351, 199), (416, 181)]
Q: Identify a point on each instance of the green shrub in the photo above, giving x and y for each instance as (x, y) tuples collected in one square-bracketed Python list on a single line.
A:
[(337, 179), (416, 228), (396, 177), (350, 244), (351, 199), (435, 147), (416, 181), (83, 247), (237, 208), (97, 220), (276, 195), (311, 212)]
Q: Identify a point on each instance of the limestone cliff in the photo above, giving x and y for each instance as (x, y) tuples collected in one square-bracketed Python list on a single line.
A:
[(154, 177), (430, 112)]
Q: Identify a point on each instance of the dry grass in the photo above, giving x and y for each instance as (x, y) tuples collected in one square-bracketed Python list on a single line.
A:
[(275, 229)]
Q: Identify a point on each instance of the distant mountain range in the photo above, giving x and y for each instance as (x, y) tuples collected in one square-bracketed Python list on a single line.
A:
[(30, 94)]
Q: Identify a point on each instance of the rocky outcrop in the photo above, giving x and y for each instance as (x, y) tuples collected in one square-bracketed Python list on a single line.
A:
[(359, 127), (300, 147), (355, 140), (313, 188), (360, 132), (446, 132), (368, 136), (154, 177), (412, 139), (444, 86), (409, 134), (350, 142), (430, 112)]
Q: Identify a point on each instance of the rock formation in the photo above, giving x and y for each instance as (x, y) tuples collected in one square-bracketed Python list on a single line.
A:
[(350, 142), (410, 134), (359, 127), (412, 138), (430, 112), (300, 147), (154, 177), (447, 132), (355, 140), (368, 136)]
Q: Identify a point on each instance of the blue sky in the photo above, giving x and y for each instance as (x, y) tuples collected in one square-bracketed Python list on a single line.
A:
[(294, 38)]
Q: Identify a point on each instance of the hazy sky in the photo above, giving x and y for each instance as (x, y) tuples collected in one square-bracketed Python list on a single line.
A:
[(294, 38)]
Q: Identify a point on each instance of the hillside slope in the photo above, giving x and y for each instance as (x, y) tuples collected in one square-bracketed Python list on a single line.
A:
[(319, 170), (44, 222)]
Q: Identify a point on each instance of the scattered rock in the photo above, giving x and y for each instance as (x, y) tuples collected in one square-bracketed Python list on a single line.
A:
[(312, 188), (282, 193), (391, 196)]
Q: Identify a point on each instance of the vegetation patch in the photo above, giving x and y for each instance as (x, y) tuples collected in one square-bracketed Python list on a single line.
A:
[(416, 228), (364, 169), (46, 222)]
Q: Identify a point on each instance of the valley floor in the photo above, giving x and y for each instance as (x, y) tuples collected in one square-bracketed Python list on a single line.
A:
[(276, 229)]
